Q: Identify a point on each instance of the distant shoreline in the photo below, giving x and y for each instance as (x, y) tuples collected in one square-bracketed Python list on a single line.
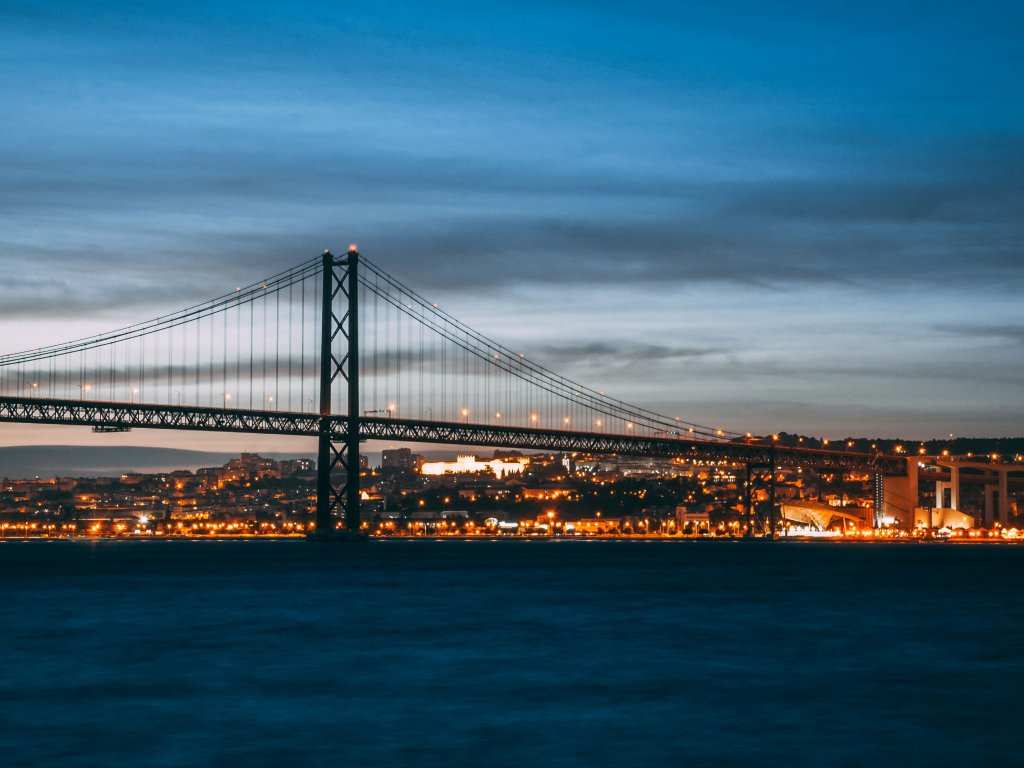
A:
[(759, 541)]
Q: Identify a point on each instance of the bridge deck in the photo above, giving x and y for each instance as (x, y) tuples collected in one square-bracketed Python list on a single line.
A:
[(145, 416)]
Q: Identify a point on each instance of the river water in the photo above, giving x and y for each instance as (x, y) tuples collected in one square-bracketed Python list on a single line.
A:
[(510, 653)]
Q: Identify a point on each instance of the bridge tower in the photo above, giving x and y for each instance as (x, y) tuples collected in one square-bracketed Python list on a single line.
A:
[(339, 448)]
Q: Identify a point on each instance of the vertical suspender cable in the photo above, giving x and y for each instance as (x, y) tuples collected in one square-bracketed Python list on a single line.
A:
[(302, 352)]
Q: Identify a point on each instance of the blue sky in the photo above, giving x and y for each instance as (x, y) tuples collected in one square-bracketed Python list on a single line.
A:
[(788, 216)]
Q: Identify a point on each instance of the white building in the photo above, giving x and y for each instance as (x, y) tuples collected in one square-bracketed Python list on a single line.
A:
[(468, 463)]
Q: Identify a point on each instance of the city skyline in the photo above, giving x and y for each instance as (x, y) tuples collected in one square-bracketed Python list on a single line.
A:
[(807, 222)]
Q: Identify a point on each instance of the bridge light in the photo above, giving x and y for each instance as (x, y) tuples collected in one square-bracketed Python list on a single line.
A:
[(497, 414), (566, 419), (533, 418), (353, 248)]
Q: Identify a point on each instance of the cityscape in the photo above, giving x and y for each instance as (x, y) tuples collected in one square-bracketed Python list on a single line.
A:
[(510, 494)]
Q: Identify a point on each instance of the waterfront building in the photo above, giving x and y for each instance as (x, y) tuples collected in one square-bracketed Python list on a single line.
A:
[(468, 463)]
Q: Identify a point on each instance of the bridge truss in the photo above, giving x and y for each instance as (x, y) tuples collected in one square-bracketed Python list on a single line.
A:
[(125, 415)]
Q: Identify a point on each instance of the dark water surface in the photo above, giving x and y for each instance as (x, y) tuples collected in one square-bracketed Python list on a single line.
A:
[(510, 653)]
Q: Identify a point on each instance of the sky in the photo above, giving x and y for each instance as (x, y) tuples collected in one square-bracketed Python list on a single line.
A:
[(762, 215)]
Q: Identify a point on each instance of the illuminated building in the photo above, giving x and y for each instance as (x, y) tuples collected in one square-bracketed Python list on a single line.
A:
[(468, 463)]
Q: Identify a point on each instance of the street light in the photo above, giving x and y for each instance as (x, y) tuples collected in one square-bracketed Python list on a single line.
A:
[(227, 396)]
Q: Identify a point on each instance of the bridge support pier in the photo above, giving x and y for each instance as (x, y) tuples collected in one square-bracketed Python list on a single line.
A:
[(1004, 497), (749, 502), (900, 496), (876, 518), (752, 469), (997, 503), (954, 487), (340, 275), (988, 513), (954, 490)]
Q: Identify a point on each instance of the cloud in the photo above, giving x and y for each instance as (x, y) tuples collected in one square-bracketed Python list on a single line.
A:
[(1005, 333), (618, 355)]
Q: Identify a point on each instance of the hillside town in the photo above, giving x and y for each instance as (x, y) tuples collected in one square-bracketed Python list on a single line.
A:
[(504, 494)]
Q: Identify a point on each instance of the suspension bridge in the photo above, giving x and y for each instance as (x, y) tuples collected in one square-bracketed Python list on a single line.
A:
[(337, 349)]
